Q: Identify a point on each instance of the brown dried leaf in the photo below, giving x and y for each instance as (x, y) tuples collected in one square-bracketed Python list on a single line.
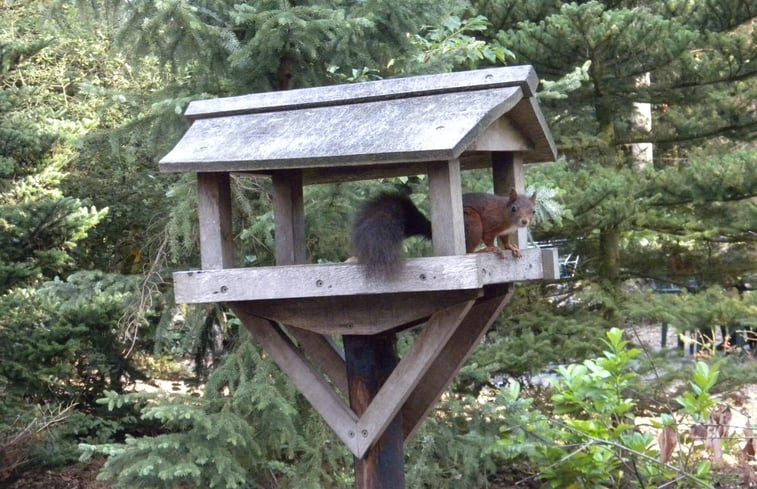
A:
[(738, 398), (667, 439), (720, 418)]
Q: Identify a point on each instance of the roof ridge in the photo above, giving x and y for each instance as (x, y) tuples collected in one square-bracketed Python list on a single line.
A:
[(522, 76)]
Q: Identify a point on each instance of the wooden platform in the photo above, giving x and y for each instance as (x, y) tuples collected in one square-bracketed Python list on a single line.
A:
[(338, 299)]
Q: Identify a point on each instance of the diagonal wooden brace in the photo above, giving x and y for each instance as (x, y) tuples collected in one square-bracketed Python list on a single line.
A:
[(447, 339), (456, 351), (311, 384), (405, 377)]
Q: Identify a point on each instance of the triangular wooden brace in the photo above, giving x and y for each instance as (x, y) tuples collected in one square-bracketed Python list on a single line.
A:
[(417, 381)]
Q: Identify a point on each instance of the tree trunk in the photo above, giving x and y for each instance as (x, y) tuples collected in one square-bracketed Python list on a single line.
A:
[(609, 249)]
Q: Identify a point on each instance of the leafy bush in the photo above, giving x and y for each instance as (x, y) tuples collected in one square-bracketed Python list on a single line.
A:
[(60, 341), (591, 438)]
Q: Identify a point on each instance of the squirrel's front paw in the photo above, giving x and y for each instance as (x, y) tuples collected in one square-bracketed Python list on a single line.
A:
[(515, 250)]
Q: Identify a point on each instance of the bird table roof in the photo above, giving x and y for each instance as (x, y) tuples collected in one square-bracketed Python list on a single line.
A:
[(405, 120)]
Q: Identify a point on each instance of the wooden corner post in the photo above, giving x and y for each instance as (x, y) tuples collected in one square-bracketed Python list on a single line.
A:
[(214, 210), (370, 360), (445, 191), (289, 218)]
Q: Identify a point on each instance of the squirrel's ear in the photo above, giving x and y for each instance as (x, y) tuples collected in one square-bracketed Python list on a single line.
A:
[(533, 198), (513, 194)]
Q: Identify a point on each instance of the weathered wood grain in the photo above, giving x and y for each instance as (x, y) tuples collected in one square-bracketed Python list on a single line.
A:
[(550, 264), (523, 77), (502, 135), (324, 355), (370, 362), (387, 403), (439, 374), (426, 128), (289, 218), (459, 272), (444, 188), (508, 173), (360, 314), (214, 210), (529, 120), (311, 176), (313, 386)]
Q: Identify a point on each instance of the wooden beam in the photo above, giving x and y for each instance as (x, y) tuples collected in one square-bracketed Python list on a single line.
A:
[(323, 354), (550, 264), (439, 374), (399, 386), (446, 208), (448, 273), (360, 314), (289, 218), (522, 76), (337, 174), (314, 387), (502, 135), (214, 212)]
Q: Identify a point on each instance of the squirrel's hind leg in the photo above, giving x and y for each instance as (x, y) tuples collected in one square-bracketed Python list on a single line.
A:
[(473, 229)]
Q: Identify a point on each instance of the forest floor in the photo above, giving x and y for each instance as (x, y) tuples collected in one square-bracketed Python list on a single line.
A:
[(84, 476)]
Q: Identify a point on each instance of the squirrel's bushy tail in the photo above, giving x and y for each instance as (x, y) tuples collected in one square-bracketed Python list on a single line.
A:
[(379, 229)]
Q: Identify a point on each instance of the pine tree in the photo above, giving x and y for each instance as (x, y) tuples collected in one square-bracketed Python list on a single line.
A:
[(39, 226), (702, 83), (58, 329), (686, 218)]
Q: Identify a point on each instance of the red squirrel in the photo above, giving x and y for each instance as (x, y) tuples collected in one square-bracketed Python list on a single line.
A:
[(384, 222), (488, 216)]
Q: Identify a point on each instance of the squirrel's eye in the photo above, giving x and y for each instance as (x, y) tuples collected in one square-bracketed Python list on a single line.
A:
[(515, 209)]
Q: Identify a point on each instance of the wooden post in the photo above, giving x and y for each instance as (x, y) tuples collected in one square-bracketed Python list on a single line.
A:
[(446, 208), (214, 209), (370, 360), (289, 218)]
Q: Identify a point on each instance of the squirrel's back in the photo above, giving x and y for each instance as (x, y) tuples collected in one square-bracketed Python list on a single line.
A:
[(379, 229)]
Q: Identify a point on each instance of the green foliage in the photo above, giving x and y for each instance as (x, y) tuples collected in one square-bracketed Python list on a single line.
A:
[(29, 438), (450, 450), (598, 51), (590, 437), (273, 44), (39, 225), (85, 113), (249, 428), (698, 402), (60, 341), (452, 45)]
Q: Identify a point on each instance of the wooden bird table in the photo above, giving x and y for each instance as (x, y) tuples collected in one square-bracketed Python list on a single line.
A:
[(436, 125)]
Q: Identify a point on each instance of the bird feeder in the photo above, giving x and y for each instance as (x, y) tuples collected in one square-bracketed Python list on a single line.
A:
[(437, 125)]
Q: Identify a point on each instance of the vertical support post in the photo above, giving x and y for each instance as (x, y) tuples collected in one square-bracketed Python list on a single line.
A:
[(446, 208), (214, 210), (289, 218), (507, 174), (370, 360)]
